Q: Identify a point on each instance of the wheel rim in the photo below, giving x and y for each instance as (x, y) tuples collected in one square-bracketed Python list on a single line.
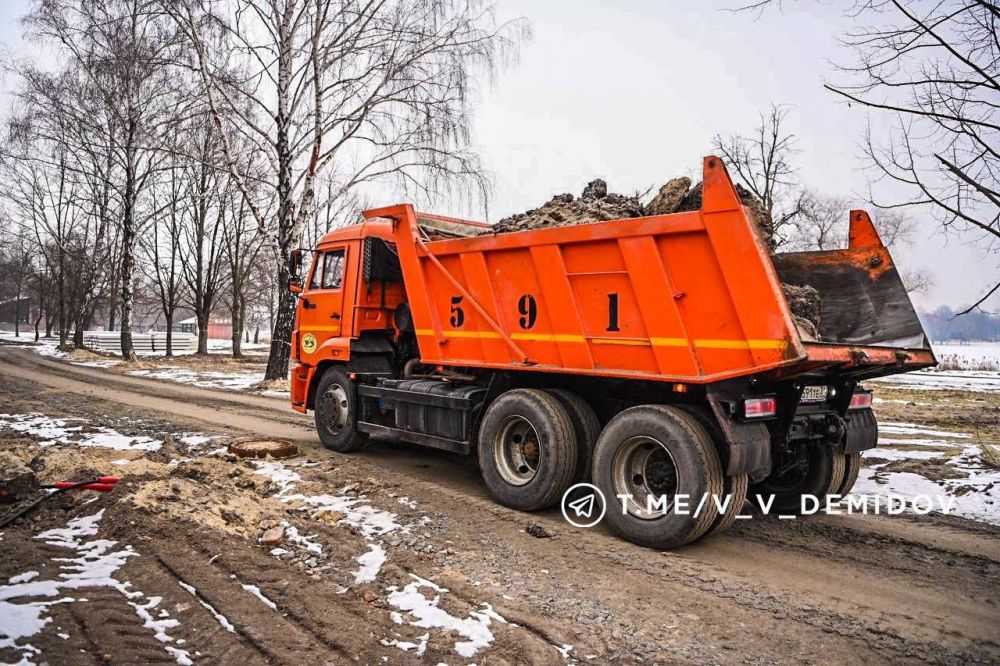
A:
[(644, 468), (335, 408), (516, 450)]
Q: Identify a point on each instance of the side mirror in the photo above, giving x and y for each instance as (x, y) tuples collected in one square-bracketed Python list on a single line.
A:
[(295, 272)]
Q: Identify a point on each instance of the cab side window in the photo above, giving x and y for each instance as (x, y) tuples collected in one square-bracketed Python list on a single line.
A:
[(329, 271), (333, 269)]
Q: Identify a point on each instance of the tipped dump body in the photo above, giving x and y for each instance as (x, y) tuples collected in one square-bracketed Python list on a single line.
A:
[(686, 297)]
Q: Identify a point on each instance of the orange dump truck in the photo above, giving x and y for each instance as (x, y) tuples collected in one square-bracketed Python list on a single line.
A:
[(654, 357)]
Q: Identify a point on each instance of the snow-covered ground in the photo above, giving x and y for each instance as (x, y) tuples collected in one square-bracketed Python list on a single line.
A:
[(937, 380), (973, 366), (234, 381), (943, 466), (214, 346), (75, 432), (968, 355)]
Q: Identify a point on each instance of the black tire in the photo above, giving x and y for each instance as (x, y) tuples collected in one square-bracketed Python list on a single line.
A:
[(527, 449), (335, 411), (852, 467), (818, 471), (690, 467), (734, 485), (585, 425)]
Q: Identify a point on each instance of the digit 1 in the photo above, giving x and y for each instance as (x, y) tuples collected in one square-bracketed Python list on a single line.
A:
[(613, 312)]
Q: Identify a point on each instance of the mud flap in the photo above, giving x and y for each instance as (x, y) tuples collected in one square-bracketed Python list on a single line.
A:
[(862, 431), (749, 443)]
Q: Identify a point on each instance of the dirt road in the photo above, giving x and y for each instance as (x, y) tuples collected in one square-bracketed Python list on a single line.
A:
[(462, 581)]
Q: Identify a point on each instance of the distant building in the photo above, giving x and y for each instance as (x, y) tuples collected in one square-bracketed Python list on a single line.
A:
[(219, 328), (22, 308)]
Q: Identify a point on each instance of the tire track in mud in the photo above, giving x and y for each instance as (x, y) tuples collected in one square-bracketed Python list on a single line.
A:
[(710, 576), (684, 569)]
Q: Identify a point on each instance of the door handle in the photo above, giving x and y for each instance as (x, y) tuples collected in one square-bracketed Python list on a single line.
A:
[(334, 315), (307, 305)]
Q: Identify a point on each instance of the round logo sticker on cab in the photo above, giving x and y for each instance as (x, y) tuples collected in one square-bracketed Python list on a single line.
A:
[(308, 343)]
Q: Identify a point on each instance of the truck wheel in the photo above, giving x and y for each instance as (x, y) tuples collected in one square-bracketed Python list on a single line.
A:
[(734, 485), (336, 412), (585, 425), (814, 469), (852, 467), (655, 451), (527, 449)]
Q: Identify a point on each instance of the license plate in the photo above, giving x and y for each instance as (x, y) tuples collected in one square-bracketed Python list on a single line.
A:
[(814, 394)]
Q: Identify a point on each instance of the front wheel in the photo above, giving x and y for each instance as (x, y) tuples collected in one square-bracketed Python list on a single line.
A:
[(336, 412)]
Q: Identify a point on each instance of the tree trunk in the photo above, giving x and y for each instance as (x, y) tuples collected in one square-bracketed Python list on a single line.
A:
[(281, 334), (256, 335), (128, 250), (202, 333), (237, 317), (78, 336), (170, 333)]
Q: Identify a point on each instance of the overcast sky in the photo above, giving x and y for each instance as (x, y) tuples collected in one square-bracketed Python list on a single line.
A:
[(633, 92)]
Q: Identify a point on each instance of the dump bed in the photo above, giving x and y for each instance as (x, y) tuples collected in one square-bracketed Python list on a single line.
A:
[(687, 297)]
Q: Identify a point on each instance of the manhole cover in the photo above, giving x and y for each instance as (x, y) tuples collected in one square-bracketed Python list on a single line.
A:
[(262, 448)]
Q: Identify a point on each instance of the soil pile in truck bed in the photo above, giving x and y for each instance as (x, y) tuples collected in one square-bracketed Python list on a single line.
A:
[(804, 302), (597, 204)]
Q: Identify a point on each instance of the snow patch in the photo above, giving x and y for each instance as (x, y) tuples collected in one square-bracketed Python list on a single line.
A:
[(54, 431), (212, 379), (219, 617), (255, 591), (428, 614), (371, 562)]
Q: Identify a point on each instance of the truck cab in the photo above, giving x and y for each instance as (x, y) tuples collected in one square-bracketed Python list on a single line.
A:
[(349, 293)]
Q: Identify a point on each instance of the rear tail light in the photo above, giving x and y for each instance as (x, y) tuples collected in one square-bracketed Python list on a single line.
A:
[(759, 408), (861, 401)]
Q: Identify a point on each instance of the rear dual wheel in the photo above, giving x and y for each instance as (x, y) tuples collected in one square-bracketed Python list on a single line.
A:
[(660, 473), (527, 449), (735, 486), (815, 470)]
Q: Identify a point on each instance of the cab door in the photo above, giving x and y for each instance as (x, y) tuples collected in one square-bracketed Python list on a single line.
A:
[(321, 312)]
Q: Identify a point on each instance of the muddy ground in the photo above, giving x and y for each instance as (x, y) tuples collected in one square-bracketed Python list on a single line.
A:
[(192, 582)]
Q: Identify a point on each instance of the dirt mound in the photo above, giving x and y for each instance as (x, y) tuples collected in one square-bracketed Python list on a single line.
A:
[(595, 204), (804, 302)]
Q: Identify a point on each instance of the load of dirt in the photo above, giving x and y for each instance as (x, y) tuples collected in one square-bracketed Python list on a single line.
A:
[(804, 302), (595, 204)]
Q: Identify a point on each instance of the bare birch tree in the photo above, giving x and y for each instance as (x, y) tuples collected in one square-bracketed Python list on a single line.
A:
[(359, 90), (125, 50)]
